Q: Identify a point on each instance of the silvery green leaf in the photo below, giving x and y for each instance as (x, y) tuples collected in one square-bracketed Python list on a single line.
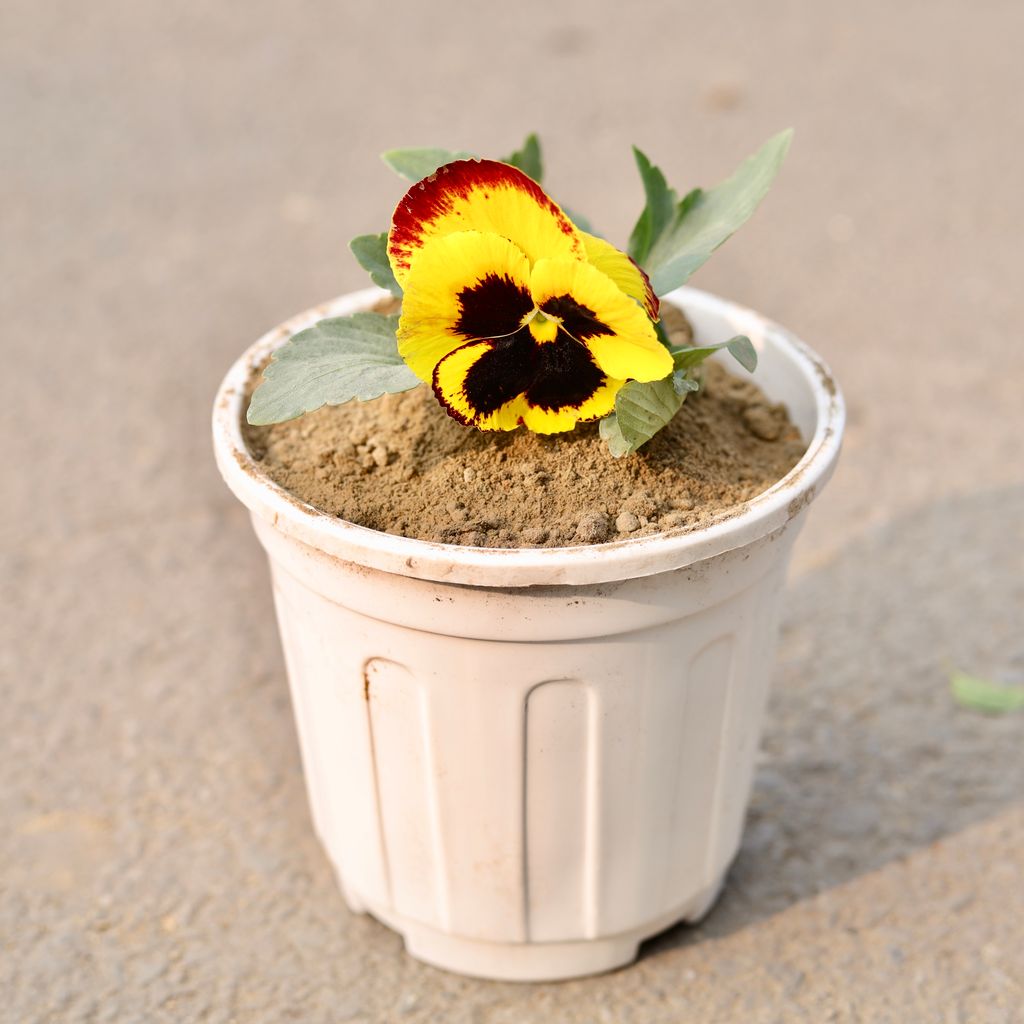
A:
[(612, 436), (372, 253), (689, 201), (706, 219), (660, 210), (687, 358), (659, 330), (583, 223), (528, 158), (641, 410), (741, 348), (420, 162), (684, 384), (331, 363), (983, 695)]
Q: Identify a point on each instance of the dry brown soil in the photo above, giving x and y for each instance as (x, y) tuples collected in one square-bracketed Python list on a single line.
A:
[(399, 464)]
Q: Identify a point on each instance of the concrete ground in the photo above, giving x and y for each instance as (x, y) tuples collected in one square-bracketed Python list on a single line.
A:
[(176, 178)]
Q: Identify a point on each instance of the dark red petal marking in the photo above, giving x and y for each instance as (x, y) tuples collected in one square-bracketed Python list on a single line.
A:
[(567, 377), (492, 307), (651, 303), (578, 320), (432, 198)]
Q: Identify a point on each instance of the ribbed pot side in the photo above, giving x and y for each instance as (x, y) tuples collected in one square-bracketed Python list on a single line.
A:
[(527, 779)]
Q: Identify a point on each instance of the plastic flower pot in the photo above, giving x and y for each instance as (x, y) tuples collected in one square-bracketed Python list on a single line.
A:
[(527, 761)]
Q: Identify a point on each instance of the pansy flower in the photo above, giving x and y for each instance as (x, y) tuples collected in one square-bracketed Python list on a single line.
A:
[(511, 313)]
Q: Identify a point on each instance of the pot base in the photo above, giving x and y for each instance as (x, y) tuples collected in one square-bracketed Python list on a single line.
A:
[(531, 961)]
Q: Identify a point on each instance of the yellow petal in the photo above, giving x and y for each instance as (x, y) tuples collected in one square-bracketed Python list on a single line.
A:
[(553, 421), (622, 270), (596, 313), (464, 286), (480, 195)]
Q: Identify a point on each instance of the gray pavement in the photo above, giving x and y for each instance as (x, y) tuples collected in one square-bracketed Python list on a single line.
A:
[(174, 179)]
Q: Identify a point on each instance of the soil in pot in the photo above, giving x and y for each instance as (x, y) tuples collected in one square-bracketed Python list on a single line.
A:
[(401, 465)]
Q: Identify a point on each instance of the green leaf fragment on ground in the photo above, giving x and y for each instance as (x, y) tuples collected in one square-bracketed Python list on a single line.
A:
[(331, 363), (420, 162), (371, 251), (983, 695)]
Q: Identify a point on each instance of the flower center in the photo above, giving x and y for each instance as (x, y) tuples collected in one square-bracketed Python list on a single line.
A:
[(543, 326)]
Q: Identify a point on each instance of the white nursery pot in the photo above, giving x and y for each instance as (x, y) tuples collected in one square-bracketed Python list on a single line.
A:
[(528, 761)]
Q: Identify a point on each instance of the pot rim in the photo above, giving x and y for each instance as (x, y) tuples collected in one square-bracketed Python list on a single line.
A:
[(518, 567)]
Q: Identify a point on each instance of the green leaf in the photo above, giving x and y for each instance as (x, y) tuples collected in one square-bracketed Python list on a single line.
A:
[(420, 162), (659, 330), (612, 436), (641, 410), (983, 695), (528, 158), (372, 253), (684, 384), (687, 358), (331, 363), (741, 348), (583, 223), (690, 200), (705, 219), (660, 211)]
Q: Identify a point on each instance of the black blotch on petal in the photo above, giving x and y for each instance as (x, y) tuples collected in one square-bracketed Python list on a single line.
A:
[(502, 373), (567, 375), (494, 306), (580, 321)]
